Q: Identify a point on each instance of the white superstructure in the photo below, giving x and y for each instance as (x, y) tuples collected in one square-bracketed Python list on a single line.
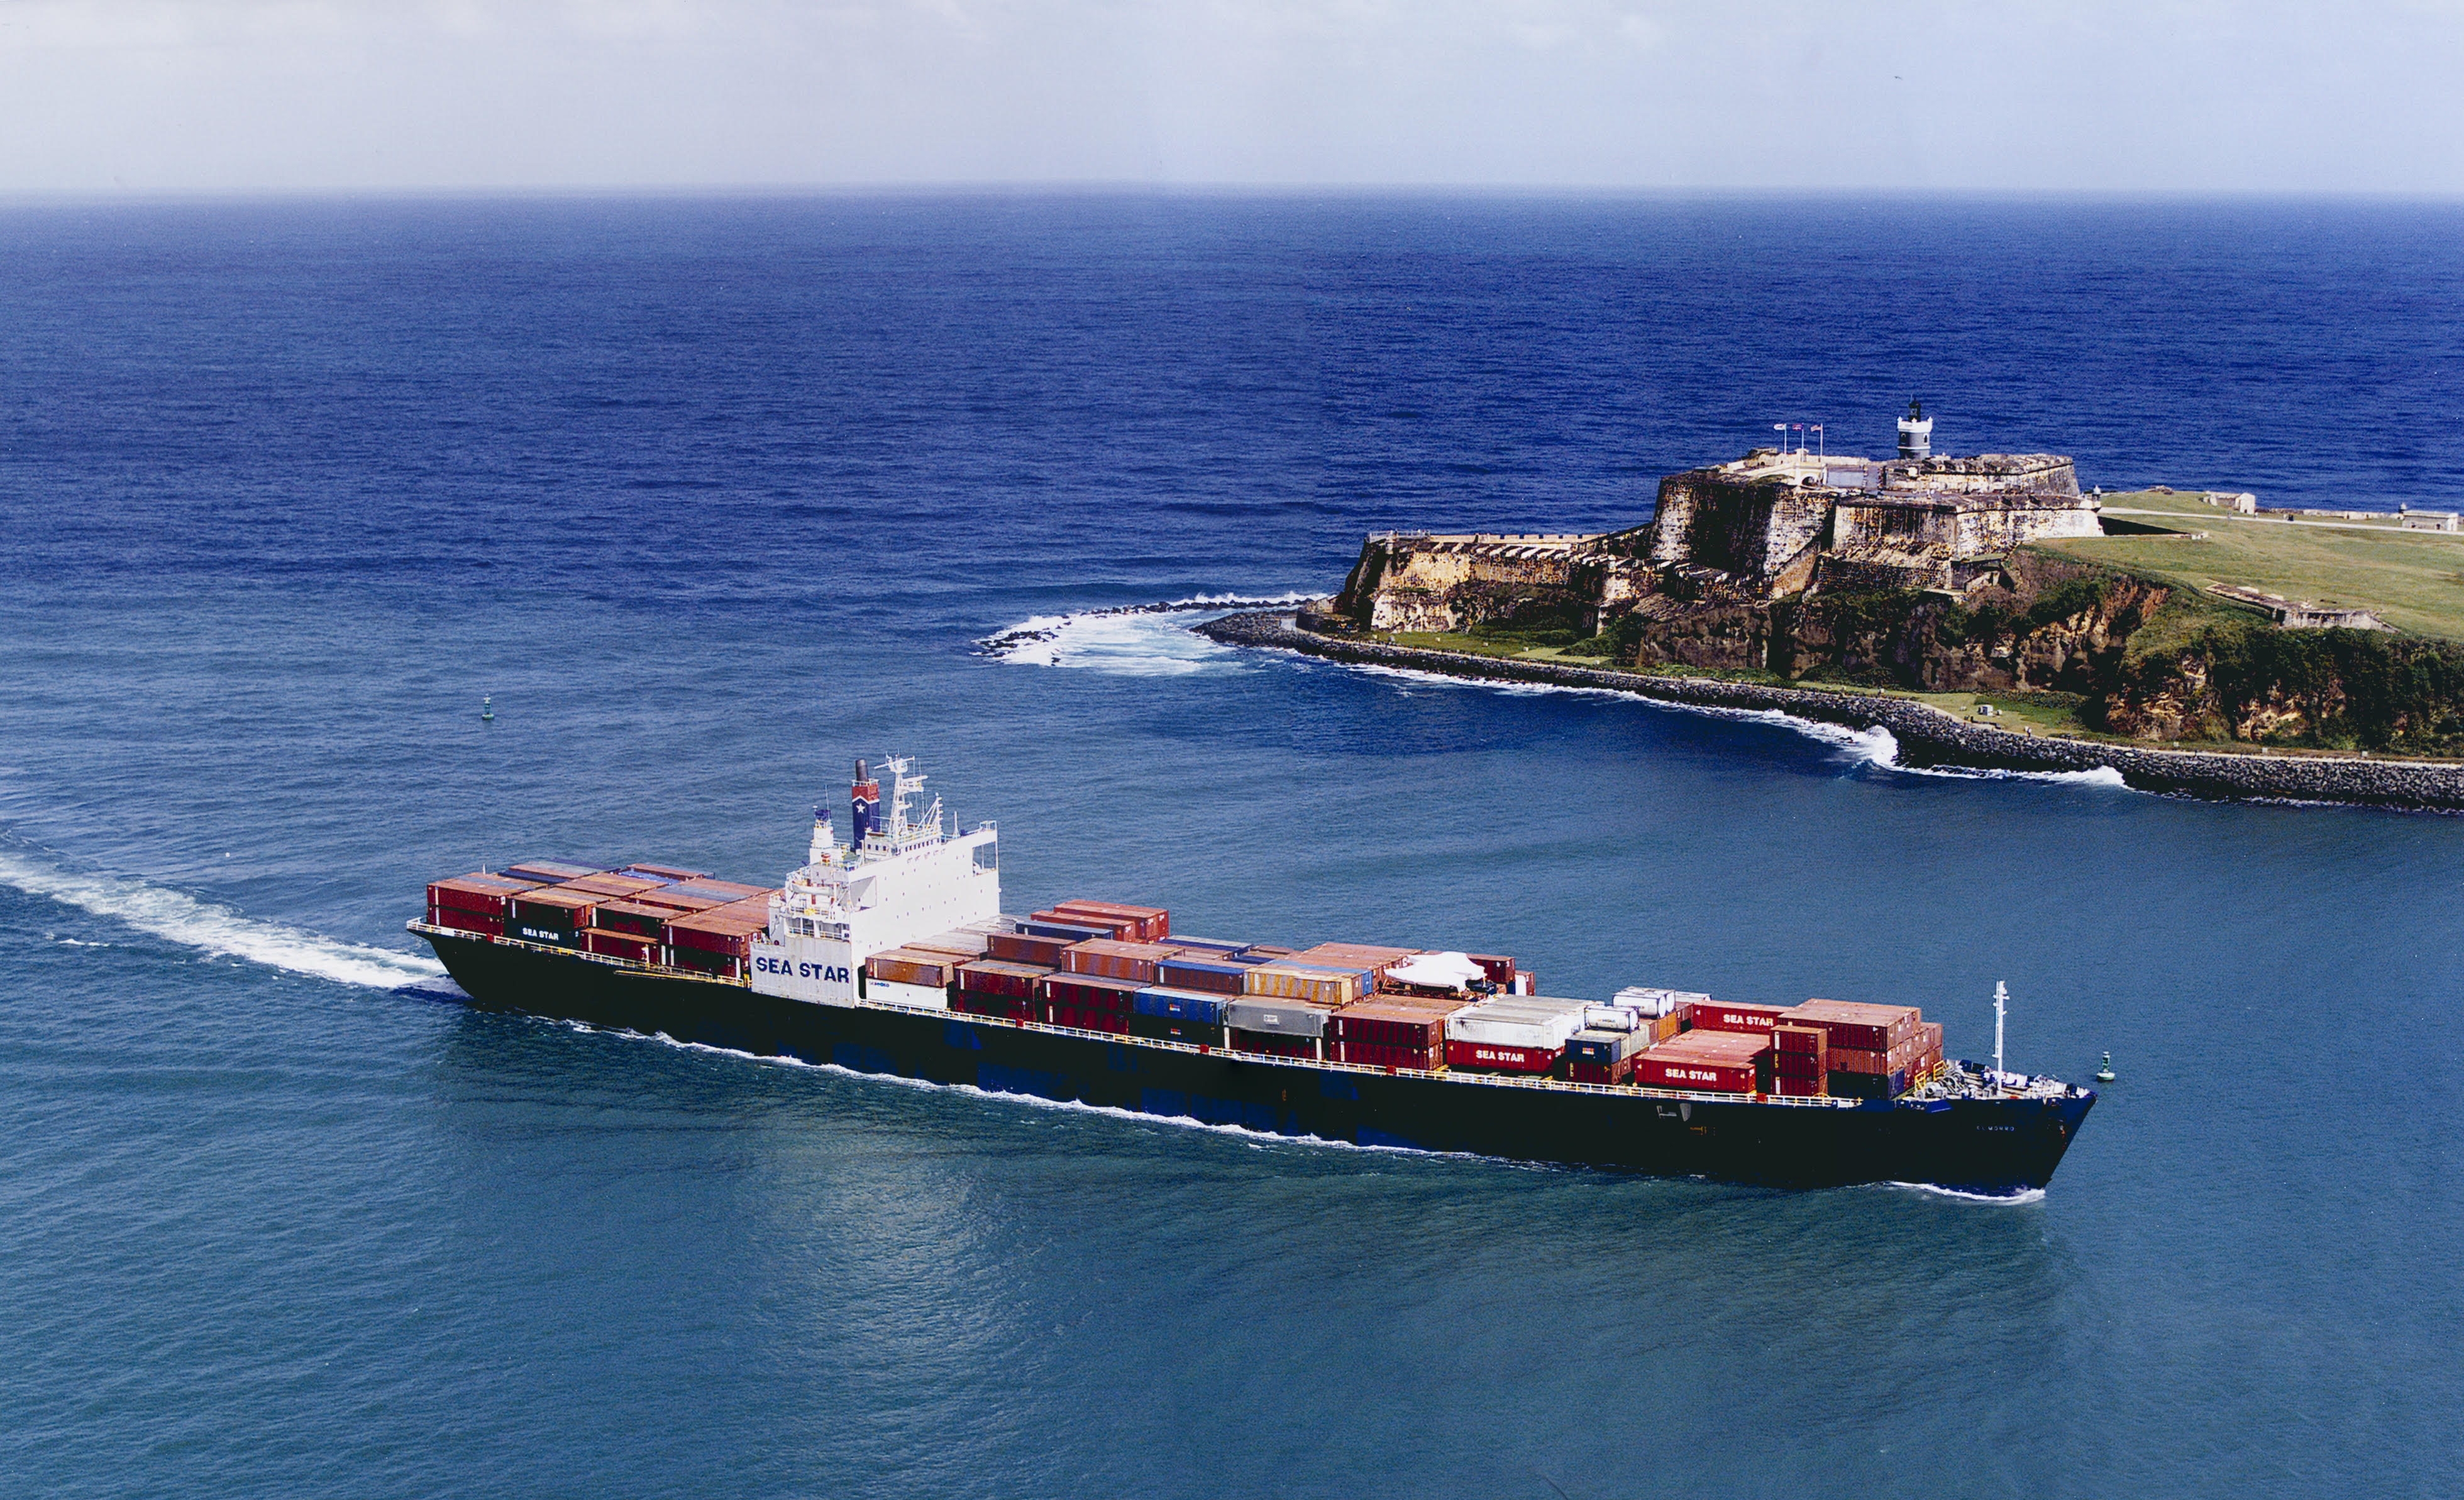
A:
[(899, 879)]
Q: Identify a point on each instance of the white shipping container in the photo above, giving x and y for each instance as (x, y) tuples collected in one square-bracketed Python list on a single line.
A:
[(1517, 1021), (1657, 1002)]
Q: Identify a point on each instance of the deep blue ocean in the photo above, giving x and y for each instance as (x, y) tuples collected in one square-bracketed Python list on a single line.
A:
[(712, 497)]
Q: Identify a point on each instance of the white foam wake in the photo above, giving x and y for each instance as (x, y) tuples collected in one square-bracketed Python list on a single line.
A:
[(1876, 747), (218, 930), (1131, 640)]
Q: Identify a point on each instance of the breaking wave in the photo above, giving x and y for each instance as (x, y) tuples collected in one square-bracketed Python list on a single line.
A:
[(220, 932), (1129, 640), (2025, 1196), (1876, 747)]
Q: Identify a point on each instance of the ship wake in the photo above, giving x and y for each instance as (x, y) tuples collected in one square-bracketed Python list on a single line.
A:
[(219, 932)]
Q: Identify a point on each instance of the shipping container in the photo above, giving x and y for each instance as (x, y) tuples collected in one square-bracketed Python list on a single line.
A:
[(1006, 1007), (1277, 1015), (1702, 1072), (1025, 948), (1089, 992), (466, 921), (664, 873), (1177, 1028), (1388, 1054), (730, 965), (1268, 952), (1116, 959), (1494, 1058), (1799, 1065), (1729, 1016), (550, 871), (890, 992), (1668, 1026), (1792, 1038), (1207, 947), (1394, 1021), (1857, 1026), (549, 915), (1528, 1022), (634, 917), (1611, 1017), (999, 977), (913, 966), (1867, 1085), (1498, 968), (1364, 957), (1798, 1088), (481, 892), (1291, 980), (965, 944), (1147, 923), (1620, 1071), (1165, 1003), (1270, 1043), (1605, 1046), (1093, 923), (1187, 973), (621, 945), (1066, 932), (1652, 1004), (618, 886), (1087, 1018)]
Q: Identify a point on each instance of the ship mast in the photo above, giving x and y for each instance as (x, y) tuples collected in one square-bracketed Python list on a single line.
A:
[(2001, 998)]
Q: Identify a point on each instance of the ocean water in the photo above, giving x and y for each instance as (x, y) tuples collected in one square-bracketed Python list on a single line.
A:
[(712, 497)]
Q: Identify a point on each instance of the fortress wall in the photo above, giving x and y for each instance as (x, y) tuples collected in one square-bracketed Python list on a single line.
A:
[(2048, 474), (1900, 528), (1746, 526), (1999, 529)]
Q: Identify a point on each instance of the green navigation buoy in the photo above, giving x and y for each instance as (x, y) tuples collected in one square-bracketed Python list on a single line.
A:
[(488, 709), (2104, 1070)]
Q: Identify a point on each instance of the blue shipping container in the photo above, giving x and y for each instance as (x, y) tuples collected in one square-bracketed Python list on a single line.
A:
[(1180, 1005)]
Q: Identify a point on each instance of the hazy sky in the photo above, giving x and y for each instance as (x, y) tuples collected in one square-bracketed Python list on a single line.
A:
[(2125, 95)]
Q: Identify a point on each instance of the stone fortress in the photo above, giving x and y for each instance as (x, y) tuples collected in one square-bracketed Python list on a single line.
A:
[(1772, 524)]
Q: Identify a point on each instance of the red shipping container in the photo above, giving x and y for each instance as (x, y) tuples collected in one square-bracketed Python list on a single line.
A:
[(913, 966), (1799, 1065), (1271, 1044), (467, 922), (1002, 977), (633, 916), (1086, 1020), (481, 892), (1374, 1054), (1498, 968), (1483, 1057), (1857, 1026), (1788, 1038), (1394, 1021), (1090, 992), (1006, 1008), (621, 945), (612, 885), (1799, 1087), (1695, 1070), (1716, 1016)]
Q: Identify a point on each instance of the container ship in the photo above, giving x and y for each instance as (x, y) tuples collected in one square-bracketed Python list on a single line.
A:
[(890, 954)]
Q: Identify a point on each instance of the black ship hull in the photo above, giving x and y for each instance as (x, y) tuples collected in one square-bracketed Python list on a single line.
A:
[(1981, 1145)]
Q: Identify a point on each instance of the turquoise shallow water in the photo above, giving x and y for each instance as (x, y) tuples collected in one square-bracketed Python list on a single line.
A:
[(712, 498)]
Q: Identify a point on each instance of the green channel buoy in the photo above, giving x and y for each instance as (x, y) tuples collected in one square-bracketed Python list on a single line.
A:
[(2104, 1070), (488, 709)]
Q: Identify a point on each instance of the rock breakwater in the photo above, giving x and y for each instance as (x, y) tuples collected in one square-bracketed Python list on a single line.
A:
[(1926, 735)]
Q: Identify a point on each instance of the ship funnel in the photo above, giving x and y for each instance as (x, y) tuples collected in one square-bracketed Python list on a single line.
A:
[(867, 797)]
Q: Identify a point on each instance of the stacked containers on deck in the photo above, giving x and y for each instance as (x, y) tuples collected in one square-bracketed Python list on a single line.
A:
[(1512, 1034), (1706, 1061), (1027, 947), (550, 914), (999, 988), (1666, 1010), (474, 903), (1799, 1065), (615, 940), (1203, 972), (912, 975), (1604, 1050), (1390, 1031), (1366, 958), (718, 941), (1113, 959), (1869, 1051), (667, 874), (1705, 1015)]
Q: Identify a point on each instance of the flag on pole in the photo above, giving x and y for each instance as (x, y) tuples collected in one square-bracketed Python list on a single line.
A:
[(1780, 426)]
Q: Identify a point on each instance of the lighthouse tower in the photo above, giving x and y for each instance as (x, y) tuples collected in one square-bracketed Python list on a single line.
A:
[(1916, 432)]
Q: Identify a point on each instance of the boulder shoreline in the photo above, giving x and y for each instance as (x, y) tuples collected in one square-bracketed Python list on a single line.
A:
[(1927, 735)]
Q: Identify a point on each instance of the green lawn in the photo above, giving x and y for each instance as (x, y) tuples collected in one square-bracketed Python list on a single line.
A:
[(2413, 579)]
